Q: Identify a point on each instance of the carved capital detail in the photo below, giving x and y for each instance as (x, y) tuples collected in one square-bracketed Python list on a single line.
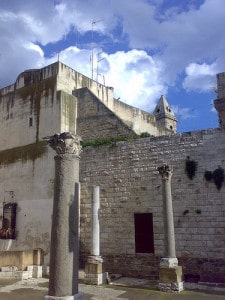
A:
[(65, 143), (165, 171)]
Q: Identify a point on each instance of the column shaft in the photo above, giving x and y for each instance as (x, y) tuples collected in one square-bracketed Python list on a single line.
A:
[(166, 173), (64, 252), (168, 218), (95, 236), (64, 237)]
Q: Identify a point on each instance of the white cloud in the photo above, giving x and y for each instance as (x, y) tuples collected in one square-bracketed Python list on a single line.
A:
[(136, 77), (32, 46), (134, 74), (184, 113), (200, 77)]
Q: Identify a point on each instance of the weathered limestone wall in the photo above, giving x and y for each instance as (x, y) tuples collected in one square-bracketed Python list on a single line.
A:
[(70, 80), (31, 180), (68, 112), (95, 120), (28, 113), (129, 183), (137, 119), (41, 102)]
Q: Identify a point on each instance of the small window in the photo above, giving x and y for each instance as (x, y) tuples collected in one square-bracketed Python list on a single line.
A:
[(30, 121), (144, 237), (8, 229)]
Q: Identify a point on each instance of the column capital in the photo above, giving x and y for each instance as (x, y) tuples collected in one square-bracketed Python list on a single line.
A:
[(65, 143), (165, 171)]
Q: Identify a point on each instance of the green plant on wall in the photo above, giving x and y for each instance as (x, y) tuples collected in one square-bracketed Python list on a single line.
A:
[(112, 141), (208, 175), (190, 167), (218, 177)]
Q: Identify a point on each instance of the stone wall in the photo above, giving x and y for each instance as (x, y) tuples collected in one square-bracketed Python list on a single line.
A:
[(28, 113), (126, 173), (137, 119), (27, 178), (129, 183), (95, 120)]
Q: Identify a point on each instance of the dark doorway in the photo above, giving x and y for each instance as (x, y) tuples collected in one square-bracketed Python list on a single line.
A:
[(144, 237)]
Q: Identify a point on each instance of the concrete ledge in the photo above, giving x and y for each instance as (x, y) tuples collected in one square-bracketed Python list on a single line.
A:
[(12, 272), (16, 275), (205, 286), (21, 259), (96, 279), (78, 296)]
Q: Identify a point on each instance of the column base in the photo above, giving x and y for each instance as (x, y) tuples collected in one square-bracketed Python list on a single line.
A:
[(170, 276), (93, 271), (78, 296), (174, 287)]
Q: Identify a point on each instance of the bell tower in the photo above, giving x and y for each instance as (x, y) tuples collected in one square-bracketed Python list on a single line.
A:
[(164, 115)]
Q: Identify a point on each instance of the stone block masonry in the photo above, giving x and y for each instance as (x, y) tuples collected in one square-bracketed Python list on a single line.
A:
[(129, 183), (95, 120)]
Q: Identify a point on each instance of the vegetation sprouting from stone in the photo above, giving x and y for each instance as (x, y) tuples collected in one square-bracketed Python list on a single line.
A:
[(185, 212), (144, 135), (112, 141), (190, 167), (217, 176), (208, 175)]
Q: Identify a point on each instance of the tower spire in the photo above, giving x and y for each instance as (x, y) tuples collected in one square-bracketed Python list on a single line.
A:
[(164, 115)]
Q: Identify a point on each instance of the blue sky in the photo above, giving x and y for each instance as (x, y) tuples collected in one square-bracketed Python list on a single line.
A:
[(143, 48)]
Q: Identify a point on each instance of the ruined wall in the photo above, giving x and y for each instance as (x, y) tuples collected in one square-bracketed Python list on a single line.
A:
[(129, 183)]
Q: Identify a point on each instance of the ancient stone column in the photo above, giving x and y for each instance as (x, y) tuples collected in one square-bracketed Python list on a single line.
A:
[(93, 266), (166, 174), (95, 220), (170, 272), (63, 279)]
